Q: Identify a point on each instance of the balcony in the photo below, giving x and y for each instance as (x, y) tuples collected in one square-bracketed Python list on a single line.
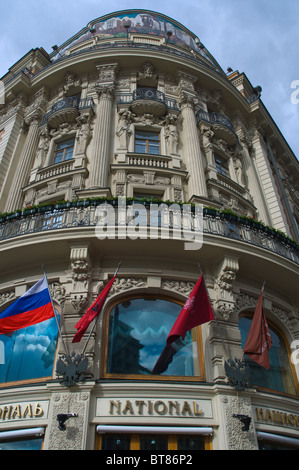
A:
[(221, 125), (66, 110), (149, 101), (83, 215)]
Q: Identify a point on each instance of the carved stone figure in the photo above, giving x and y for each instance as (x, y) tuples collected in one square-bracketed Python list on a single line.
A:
[(171, 134), (123, 130)]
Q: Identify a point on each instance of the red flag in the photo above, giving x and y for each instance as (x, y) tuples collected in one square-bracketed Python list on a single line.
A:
[(259, 340), (196, 311), (92, 312)]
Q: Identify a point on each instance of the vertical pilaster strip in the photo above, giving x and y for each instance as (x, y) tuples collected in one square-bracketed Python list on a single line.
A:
[(99, 164), (101, 139), (15, 197), (197, 183)]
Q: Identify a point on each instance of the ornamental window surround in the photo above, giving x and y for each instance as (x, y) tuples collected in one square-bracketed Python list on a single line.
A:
[(135, 333), (281, 376)]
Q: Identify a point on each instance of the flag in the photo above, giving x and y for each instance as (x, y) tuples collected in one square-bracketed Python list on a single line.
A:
[(259, 340), (196, 311), (92, 312), (33, 307)]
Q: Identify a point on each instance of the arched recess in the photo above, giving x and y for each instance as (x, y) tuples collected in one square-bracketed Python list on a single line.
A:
[(135, 326), (29, 352), (281, 376)]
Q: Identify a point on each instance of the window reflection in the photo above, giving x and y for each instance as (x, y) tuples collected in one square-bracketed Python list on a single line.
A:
[(279, 377), (29, 352), (26, 444), (138, 330)]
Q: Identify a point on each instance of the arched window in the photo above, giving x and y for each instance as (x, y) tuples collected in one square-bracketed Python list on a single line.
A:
[(135, 336), (280, 376), (28, 353)]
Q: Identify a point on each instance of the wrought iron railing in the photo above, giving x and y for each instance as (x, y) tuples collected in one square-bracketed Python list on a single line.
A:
[(145, 93), (213, 118), (69, 102), (84, 214)]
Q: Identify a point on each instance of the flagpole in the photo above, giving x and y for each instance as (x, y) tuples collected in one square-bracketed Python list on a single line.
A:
[(97, 317), (217, 324), (57, 322)]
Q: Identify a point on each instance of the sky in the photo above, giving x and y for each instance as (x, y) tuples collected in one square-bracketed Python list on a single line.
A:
[(257, 37)]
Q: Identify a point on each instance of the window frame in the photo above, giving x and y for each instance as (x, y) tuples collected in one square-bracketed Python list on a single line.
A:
[(171, 438), (155, 132), (222, 166), (280, 333), (28, 381), (55, 150), (105, 341)]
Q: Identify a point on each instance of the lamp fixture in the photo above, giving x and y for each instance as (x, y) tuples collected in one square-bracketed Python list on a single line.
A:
[(245, 419), (169, 33), (127, 27), (63, 417), (55, 48)]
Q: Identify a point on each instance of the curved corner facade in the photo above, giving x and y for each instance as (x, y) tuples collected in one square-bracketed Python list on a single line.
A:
[(129, 143)]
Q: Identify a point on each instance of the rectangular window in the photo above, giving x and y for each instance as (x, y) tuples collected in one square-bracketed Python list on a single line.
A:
[(64, 151), (222, 166), (152, 442), (147, 142)]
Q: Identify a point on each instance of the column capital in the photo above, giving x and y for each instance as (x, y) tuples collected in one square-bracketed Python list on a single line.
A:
[(187, 100), (104, 91)]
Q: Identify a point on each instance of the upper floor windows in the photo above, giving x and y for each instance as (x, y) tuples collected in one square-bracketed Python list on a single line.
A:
[(280, 376), (222, 166), (137, 333), (147, 142), (64, 151)]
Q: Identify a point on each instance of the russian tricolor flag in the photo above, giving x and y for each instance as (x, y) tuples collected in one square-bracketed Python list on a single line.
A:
[(33, 307)]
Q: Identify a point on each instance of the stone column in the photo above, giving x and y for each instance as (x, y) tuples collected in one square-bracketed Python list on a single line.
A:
[(197, 181), (98, 173), (15, 197), (99, 164), (253, 180)]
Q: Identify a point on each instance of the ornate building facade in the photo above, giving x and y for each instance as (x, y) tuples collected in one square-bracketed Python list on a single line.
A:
[(131, 112)]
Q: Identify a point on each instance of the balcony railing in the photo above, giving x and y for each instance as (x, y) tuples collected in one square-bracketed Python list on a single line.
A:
[(84, 214), (151, 94), (70, 102), (214, 118)]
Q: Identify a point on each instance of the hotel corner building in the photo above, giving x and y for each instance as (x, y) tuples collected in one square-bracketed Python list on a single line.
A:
[(130, 112)]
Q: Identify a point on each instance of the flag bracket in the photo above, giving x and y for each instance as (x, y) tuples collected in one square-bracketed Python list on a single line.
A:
[(245, 420), (63, 417)]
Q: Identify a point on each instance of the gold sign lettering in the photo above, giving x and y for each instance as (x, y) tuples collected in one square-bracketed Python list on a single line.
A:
[(277, 417), (158, 407), (21, 411)]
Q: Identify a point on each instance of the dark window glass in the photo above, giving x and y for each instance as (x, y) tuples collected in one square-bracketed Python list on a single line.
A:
[(116, 442), (191, 443), (221, 166), (26, 444), (155, 442), (279, 377)]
